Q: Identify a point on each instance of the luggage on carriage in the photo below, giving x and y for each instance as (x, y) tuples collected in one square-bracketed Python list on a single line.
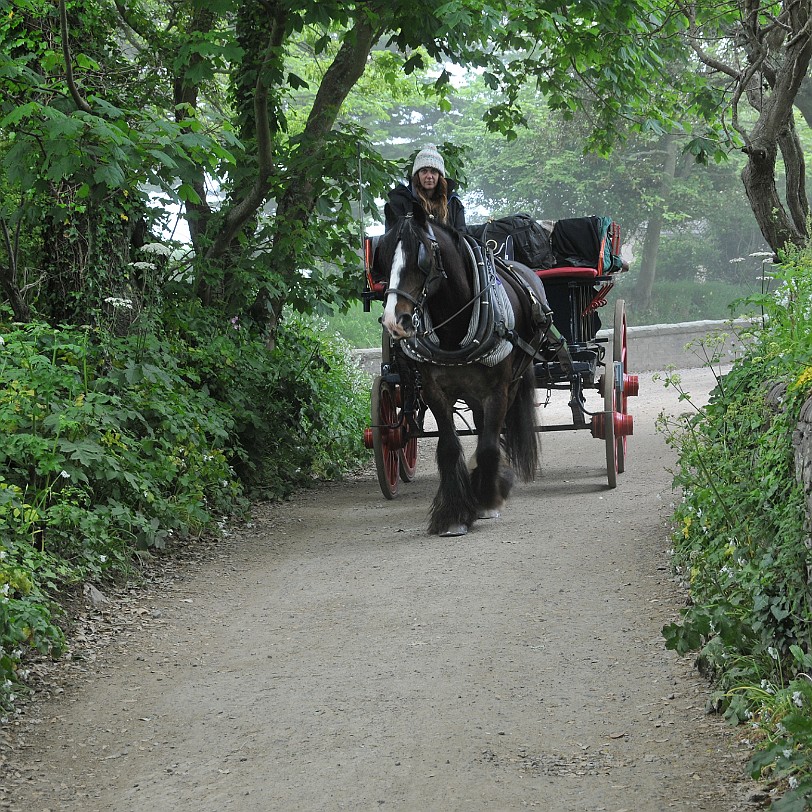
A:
[(516, 237)]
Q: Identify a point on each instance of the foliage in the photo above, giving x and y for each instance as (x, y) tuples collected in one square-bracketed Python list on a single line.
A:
[(741, 535), (247, 120), (113, 446)]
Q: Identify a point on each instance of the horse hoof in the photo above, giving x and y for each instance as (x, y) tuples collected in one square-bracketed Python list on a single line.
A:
[(455, 530), (492, 513)]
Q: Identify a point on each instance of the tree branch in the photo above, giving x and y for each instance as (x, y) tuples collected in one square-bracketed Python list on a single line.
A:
[(239, 214), (77, 97)]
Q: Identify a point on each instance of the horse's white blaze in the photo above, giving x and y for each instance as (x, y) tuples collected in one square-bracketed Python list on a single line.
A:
[(389, 320)]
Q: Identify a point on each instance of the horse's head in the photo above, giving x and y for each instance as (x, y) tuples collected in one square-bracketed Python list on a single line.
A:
[(411, 257)]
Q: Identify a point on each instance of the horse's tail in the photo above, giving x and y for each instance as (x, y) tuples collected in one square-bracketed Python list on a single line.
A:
[(521, 438)]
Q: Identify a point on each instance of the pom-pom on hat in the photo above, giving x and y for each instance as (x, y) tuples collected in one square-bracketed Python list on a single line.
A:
[(429, 158)]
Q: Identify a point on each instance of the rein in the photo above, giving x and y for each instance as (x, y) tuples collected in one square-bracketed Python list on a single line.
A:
[(468, 304)]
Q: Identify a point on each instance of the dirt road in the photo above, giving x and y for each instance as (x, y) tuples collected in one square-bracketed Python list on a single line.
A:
[(333, 656)]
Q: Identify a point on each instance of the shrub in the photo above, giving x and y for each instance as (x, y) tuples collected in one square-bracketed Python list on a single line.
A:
[(740, 538), (113, 445)]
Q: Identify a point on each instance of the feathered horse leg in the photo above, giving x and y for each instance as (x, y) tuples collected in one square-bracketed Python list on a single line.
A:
[(454, 508)]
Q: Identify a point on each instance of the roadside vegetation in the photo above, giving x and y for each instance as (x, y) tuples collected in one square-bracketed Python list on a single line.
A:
[(117, 448), (741, 536)]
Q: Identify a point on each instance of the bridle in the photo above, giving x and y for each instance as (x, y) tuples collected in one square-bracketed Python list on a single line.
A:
[(434, 272)]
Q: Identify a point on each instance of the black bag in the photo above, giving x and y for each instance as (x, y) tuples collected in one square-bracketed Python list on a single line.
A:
[(517, 236), (588, 242)]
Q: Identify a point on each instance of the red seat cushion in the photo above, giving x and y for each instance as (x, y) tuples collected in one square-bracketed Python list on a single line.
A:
[(567, 272)]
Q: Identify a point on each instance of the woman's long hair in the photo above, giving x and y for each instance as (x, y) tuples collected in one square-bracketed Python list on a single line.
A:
[(437, 206)]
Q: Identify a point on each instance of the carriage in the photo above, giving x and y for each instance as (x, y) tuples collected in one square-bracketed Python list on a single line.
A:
[(570, 355)]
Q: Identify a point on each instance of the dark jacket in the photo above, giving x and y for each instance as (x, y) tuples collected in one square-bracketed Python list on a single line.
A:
[(402, 200)]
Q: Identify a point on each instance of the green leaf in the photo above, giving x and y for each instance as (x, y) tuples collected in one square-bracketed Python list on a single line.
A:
[(187, 193)]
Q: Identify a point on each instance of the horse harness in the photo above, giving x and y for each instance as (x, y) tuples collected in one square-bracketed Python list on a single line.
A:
[(491, 334)]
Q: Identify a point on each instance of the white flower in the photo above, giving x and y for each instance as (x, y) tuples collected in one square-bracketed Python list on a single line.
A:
[(771, 650), (156, 248), (2, 341), (3, 555), (102, 558), (762, 254), (798, 699), (143, 266), (793, 782), (786, 753), (116, 302), (64, 474), (736, 259)]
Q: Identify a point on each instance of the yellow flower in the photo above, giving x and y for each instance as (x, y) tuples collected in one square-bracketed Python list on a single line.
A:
[(804, 380)]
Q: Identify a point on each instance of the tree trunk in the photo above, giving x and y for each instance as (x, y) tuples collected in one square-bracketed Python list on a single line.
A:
[(8, 276), (651, 246), (775, 128), (295, 207)]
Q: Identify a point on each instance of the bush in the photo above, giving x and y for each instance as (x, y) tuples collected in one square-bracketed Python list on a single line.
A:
[(740, 539), (111, 446)]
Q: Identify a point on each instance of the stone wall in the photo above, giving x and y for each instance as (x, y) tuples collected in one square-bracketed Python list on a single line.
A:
[(651, 348)]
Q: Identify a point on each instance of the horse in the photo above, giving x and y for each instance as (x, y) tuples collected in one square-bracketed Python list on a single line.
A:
[(442, 307)]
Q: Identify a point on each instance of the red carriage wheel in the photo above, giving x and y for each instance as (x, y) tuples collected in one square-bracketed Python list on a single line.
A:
[(620, 354), (626, 385), (609, 405), (385, 436), (408, 460)]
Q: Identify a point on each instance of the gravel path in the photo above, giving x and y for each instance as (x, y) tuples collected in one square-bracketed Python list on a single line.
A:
[(333, 656)]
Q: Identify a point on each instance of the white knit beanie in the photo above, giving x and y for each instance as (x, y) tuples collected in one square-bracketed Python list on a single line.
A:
[(429, 158)]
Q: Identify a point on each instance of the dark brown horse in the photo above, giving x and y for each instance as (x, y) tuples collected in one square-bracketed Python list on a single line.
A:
[(471, 334)]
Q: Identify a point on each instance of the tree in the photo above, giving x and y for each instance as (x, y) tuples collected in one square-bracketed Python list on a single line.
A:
[(759, 52), (236, 108)]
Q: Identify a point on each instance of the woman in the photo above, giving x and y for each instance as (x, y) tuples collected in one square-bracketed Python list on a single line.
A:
[(429, 187)]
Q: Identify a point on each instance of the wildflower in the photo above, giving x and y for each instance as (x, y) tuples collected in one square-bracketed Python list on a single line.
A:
[(235, 322), (103, 558), (116, 302), (64, 474), (793, 782), (797, 698), (786, 753), (772, 651), (762, 254), (143, 266), (157, 248), (3, 555), (2, 341), (736, 259)]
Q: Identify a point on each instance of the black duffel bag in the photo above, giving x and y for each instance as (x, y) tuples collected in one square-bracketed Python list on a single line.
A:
[(516, 237)]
